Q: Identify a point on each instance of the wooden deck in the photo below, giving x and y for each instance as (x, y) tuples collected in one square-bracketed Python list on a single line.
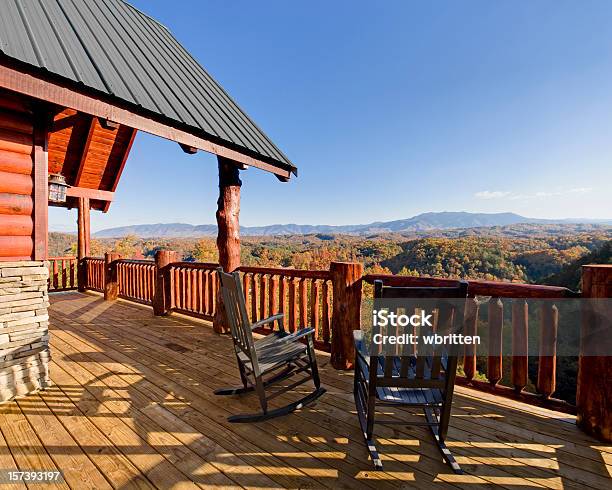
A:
[(132, 406)]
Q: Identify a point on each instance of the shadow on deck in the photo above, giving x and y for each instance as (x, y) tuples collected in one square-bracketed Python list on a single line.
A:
[(132, 406)]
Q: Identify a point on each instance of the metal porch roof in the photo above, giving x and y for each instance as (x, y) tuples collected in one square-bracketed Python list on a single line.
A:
[(109, 46)]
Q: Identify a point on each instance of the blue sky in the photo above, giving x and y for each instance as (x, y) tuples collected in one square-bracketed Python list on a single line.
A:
[(390, 109)]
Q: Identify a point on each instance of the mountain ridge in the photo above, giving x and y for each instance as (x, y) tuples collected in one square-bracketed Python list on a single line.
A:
[(421, 222)]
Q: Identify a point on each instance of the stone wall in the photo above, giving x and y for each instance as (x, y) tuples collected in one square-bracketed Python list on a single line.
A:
[(24, 321)]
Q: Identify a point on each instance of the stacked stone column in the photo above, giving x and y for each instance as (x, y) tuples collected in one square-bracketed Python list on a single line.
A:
[(24, 322)]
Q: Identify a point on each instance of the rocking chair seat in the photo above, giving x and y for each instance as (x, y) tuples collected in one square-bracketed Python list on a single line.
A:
[(415, 396), (410, 396), (272, 354)]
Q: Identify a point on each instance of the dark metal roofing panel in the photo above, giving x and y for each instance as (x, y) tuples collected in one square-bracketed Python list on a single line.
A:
[(110, 46)]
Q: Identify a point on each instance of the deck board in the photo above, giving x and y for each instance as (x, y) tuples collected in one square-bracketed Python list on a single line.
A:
[(132, 406)]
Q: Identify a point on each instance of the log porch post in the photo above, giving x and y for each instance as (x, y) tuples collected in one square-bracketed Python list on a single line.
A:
[(228, 235), (594, 395), (84, 237), (161, 295), (111, 286), (346, 316)]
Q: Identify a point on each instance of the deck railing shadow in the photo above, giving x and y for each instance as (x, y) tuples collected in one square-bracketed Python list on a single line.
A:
[(150, 379)]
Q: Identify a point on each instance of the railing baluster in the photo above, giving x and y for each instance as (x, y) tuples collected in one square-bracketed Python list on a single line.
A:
[(496, 322), (273, 298), (254, 298), (471, 328), (282, 288), (303, 303), (72, 261), (326, 316), (215, 289), (200, 291), (188, 289), (520, 344), (211, 292), (55, 282), (177, 288), (205, 287), (64, 274), (194, 290), (263, 287), (246, 287), (547, 365), (314, 307), (292, 309)]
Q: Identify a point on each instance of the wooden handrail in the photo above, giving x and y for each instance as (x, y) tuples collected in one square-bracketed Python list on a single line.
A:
[(136, 261), (479, 287), (195, 265), (315, 298), (281, 271)]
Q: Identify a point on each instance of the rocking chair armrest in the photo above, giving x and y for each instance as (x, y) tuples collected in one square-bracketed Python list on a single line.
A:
[(265, 321), (304, 332)]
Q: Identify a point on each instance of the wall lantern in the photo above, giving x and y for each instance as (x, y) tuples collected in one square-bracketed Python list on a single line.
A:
[(57, 188)]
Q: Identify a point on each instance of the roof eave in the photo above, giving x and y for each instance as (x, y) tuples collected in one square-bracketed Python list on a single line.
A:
[(41, 84)]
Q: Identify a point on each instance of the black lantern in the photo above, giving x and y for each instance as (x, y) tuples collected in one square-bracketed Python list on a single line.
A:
[(57, 188)]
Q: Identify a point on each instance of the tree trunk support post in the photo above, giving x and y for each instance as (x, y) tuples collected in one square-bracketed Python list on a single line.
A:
[(162, 293), (228, 235), (594, 396), (111, 286), (84, 236), (346, 317)]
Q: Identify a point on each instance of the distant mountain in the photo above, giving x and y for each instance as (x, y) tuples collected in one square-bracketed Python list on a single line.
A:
[(422, 222)]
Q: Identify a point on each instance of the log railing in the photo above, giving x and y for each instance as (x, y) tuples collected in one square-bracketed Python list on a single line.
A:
[(485, 309), (136, 280), (304, 296), (193, 288), (62, 273), (94, 273)]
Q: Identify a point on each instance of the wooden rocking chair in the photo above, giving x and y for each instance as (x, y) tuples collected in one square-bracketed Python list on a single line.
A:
[(424, 379), (280, 355)]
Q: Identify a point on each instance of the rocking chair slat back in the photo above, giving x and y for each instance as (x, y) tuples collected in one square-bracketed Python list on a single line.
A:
[(235, 309), (436, 364)]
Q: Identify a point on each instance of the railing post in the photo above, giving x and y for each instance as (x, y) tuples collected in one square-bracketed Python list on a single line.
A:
[(594, 396), (161, 295), (111, 286), (346, 316), (228, 235)]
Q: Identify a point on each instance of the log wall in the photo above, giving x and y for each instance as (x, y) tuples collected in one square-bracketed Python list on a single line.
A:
[(16, 181)]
